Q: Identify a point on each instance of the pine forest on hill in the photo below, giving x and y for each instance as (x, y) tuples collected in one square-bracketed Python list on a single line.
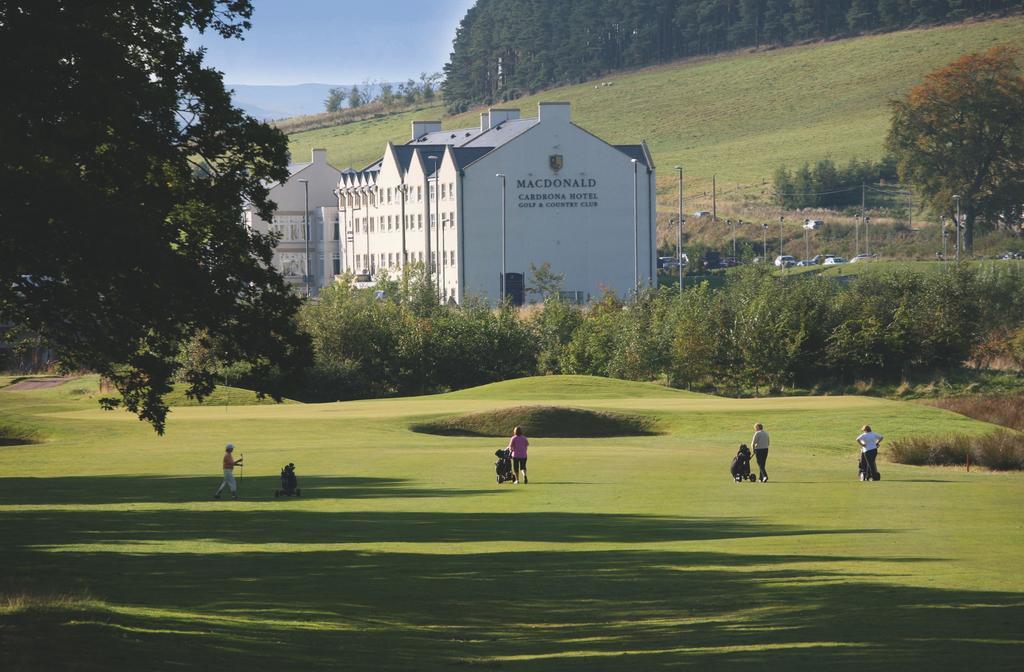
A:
[(737, 116), (505, 48)]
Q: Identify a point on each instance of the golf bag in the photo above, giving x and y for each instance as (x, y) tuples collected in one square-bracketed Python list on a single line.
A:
[(740, 468), (289, 483), (503, 466), (862, 470)]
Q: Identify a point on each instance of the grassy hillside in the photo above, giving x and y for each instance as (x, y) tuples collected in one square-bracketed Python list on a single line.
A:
[(402, 553), (738, 116)]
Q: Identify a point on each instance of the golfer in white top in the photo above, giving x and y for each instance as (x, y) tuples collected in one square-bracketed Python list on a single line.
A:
[(869, 441)]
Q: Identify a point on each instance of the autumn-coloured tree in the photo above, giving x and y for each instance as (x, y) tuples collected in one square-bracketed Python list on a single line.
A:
[(961, 132)]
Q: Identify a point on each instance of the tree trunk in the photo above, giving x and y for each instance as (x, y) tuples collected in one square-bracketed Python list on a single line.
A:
[(969, 227)]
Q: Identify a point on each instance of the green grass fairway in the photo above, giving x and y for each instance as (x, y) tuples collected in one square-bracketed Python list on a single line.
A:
[(631, 553)]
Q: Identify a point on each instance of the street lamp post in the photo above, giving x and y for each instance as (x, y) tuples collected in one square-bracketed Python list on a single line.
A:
[(438, 251), (405, 250), (764, 241), (781, 220), (679, 231), (807, 241), (957, 228), (636, 233), (501, 285), (867, 237), (305, 225)]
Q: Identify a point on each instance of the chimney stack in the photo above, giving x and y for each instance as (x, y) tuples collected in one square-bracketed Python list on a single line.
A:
[(421, 128), (501, 115)]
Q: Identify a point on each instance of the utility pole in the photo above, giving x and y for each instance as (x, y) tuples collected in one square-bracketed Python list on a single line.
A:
[(714, 198), (781, 220), (957, 228), (863, 201), (679, 231), (807, 241), (764, 242)]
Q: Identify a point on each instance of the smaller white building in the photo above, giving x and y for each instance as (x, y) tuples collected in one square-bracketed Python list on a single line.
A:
[(309, 194)]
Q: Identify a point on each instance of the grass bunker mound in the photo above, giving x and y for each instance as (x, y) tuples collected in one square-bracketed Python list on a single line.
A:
[(541, 421)]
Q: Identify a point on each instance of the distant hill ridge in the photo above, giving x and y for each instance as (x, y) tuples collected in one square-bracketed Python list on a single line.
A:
[(505, 48), (738, 116)]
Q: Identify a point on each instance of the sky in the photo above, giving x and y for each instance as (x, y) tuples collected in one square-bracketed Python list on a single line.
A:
[(338, 41)]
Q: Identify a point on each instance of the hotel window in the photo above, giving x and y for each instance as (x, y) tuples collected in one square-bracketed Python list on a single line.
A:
[(444, 191), (433, 220), (421, 257), (355, 224), (291, 263), (389, 222), (336, 263), (453, 257), (419, 193), (419, 221), (391, 260), (389, 194), (430, 191), (451, 190), (337, 228), (382, 260)]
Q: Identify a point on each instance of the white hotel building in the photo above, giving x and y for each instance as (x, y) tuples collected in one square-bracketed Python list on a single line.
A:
[(566, 197)]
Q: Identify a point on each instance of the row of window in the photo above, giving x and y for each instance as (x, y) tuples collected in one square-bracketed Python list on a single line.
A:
[(290, 228), (369, 262), (393, 195), (389, 223)]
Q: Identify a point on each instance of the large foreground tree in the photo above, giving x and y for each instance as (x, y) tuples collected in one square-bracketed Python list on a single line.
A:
[(123, 172), (961, 133)]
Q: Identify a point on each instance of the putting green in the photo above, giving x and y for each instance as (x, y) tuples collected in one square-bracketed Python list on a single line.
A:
[(621, 553)]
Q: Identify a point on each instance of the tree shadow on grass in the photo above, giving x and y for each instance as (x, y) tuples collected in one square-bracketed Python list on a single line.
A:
[(308, 529), (604, 610), (178, 489), (173, 601)]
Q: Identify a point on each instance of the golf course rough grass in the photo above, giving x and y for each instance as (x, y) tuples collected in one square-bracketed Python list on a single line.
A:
[(540, 421), (622, 553)]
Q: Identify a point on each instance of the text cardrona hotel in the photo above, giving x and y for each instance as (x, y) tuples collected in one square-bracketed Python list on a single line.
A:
[(512, 193)]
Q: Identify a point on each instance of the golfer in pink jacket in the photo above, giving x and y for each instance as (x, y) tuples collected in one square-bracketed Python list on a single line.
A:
[(518, 444)]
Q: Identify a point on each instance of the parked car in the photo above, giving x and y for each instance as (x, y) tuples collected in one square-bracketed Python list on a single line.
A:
[(805, 262), (785, 261), (702, 213), (728, 262), (813, 224), (666, 262), (834, 261), (362, 281), (1010, 256), (863, 257)]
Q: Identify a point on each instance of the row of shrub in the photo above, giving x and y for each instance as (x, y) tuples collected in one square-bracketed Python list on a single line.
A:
[(759, 333), (1006, 410), (1001, 450)]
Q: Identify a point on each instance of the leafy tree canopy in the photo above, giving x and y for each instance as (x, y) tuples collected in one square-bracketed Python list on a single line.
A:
[(961, 133), (124, 170)]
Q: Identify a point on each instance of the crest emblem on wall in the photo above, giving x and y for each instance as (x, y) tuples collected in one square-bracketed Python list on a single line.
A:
[(555, 161)]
